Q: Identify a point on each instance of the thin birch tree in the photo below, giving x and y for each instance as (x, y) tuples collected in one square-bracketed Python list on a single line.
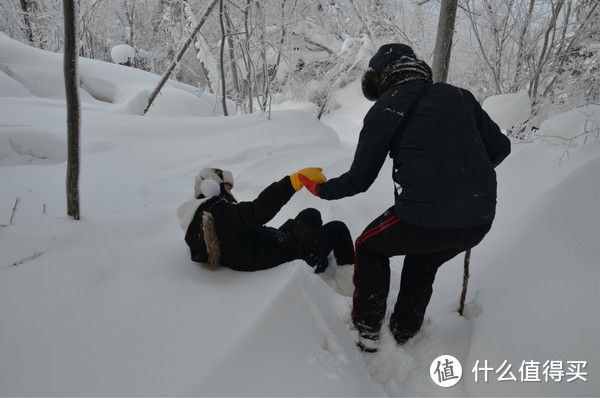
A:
[(182, 51), (71, 74), (440, 68), (443, 42)]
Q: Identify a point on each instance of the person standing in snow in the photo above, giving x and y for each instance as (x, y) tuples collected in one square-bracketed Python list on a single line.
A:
[(222, 232), (445, 204)]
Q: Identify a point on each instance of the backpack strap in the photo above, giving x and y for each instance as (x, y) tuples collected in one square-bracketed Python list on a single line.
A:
[(405, 120)]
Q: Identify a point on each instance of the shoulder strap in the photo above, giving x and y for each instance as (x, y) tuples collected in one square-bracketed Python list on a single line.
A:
[(406, 119)]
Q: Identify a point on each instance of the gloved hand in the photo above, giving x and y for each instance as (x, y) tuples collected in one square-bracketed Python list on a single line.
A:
[(309, 184), (311, 174)]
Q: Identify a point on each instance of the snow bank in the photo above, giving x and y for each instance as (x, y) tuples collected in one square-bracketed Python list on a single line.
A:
[(10, 86), (539, 293), (508, 110), (104, 86), (22, 145), (571, 128)]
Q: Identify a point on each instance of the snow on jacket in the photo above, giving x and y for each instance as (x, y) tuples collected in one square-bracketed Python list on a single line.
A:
[(244, 242), (446, 157)]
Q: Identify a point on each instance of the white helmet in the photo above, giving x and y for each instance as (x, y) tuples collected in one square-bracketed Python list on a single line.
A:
[(214, 174)]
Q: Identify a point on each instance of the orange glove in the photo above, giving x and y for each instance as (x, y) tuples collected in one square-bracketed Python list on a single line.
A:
[(309, 184), (313, 174)]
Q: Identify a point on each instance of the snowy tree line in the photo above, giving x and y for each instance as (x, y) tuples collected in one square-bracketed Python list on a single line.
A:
[(255, 50)]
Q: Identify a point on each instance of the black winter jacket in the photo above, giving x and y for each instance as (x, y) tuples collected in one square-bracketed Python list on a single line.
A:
[(246, 244), (446, 157)]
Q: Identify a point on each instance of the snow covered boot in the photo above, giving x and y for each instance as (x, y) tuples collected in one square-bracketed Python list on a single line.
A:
[(367, 345)]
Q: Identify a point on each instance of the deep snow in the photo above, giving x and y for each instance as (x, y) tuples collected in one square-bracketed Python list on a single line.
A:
[(112, 304)]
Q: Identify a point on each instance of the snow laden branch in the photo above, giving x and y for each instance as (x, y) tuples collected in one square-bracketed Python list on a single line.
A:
[(182, 51), (14, 211)]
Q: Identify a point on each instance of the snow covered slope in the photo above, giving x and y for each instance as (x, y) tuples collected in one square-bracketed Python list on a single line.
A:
[(112, 305)]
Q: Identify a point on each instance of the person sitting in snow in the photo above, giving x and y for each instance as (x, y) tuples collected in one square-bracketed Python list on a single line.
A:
[(444, 165), (222, 232)]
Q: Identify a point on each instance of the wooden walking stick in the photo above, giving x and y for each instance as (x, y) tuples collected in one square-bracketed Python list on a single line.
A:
[(465, 282)]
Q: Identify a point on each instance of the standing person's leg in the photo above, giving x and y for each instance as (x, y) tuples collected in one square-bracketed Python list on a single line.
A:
[(372, 273), (425, 249), (416, 288), (419, 270)]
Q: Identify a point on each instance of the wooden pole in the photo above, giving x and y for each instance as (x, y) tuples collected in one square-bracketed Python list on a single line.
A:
[(466, 275)]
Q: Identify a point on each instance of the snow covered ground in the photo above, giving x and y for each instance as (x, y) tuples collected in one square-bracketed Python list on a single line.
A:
[(111, 305)]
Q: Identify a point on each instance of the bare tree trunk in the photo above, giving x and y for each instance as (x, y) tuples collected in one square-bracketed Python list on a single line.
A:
[(484, 51), (546, 51), (249, 65), (266, 90), (281, 41), (441, 65), (361, 18), (569, 43), (232, 63), (26, 8), (204, 56), (130, 20), (521, 55), (182, 51), (443, 42), (73, 106), (222, 61)]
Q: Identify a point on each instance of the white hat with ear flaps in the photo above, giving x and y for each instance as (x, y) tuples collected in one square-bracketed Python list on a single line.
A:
[(211, 174)]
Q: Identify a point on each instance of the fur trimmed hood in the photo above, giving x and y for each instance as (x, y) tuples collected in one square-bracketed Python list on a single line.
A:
[(186, 214), (187, 210)]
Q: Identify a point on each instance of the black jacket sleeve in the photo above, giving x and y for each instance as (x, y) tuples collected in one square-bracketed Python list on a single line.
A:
[(496, 143), (261, 210), (374, 143)]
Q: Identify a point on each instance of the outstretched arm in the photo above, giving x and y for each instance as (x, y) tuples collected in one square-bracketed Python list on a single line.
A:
[(373, 146), (261, 210)]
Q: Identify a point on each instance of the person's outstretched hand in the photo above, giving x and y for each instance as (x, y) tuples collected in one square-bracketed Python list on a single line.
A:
[(309, 183), (311, 174)]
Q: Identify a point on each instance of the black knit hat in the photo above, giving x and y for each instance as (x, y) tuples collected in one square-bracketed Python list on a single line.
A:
[(389, 53), (393, 64)]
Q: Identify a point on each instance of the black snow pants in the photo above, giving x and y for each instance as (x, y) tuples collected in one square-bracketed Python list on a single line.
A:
[(317, 240), (425, 250)]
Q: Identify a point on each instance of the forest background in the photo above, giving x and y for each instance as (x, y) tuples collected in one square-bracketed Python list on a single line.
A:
[(257, 52)]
